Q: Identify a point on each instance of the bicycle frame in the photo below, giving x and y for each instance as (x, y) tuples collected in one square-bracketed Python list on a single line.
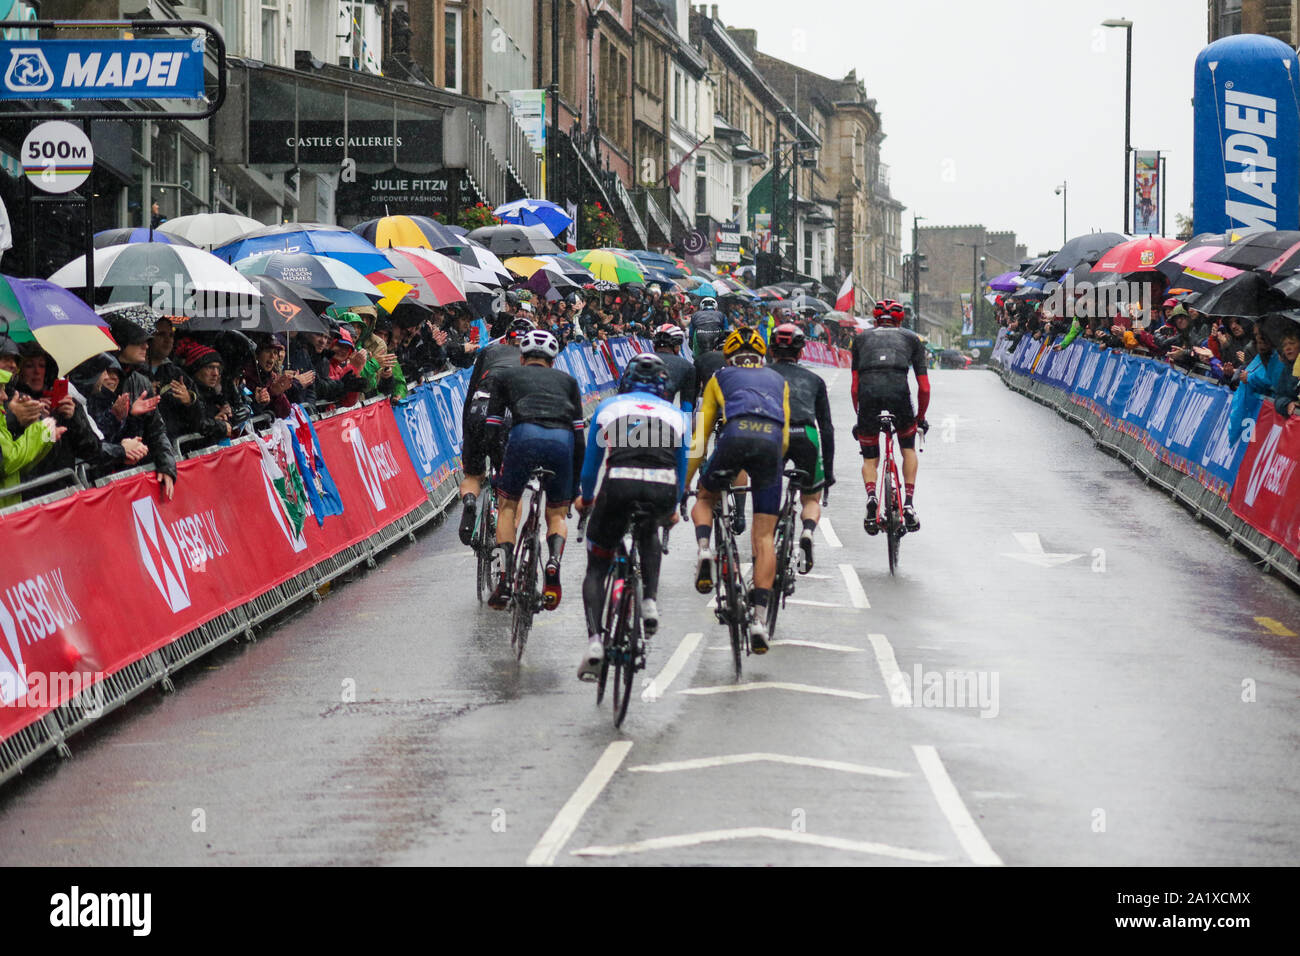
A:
[(525, 594)]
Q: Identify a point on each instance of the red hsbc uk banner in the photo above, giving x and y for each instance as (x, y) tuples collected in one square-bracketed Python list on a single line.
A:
[(1266, 493), (96, 581)]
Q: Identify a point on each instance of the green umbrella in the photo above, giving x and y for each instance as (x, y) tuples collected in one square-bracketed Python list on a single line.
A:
[(608, 265)]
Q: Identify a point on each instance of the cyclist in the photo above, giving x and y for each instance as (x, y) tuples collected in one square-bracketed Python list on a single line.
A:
[(475, 449), (546, 408), (668, 341), (644, 438), (812, 436), (752, 402), (881, 358), (707, 326)]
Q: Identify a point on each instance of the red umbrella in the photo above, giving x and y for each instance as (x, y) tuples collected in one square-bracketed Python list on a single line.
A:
[(437, 279), (1136, 255)]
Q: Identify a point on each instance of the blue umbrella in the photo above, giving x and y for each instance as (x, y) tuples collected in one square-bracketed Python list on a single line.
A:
[(704, 289), (309, 237), (535, 212), (117, 237), (1007, 282)]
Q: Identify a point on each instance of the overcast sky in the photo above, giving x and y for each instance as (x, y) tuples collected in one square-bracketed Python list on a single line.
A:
[(988, 106)]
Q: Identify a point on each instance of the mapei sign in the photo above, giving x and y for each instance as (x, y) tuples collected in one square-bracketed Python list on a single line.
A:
[(101, 69)]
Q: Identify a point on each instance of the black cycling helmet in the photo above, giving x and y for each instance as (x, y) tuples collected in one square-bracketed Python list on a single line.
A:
[(647, 372)]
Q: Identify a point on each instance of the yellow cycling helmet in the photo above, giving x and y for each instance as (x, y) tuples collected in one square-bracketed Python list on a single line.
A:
[(744, 340)]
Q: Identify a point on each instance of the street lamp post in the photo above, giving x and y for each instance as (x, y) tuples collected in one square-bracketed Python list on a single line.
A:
[(916, 272), (1127, 27), (1063, 192)]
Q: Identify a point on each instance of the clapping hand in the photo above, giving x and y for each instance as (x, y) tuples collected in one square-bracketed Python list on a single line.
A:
[(144, 404)]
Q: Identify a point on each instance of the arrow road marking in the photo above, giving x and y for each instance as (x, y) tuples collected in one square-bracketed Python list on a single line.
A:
[(950, 802), (1033, 552), (655, 689), (767, 833), (1275, 627), (817, 644), (570, 815), (856, 591), (899, 694), (778, 685), (729, 760)]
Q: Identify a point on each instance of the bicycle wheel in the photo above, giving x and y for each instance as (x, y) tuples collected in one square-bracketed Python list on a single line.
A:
[(524, 596), (893, 520), (626, 647), (485, 535), (607, 631), (738, 606)]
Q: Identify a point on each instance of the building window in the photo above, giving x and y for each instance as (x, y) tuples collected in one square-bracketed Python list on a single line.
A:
[(701, 185), (807, 252), (1229, 17), (271, 22), (451, 49)]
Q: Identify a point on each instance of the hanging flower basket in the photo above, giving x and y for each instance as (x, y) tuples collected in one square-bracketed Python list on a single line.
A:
[(599, 228), (476, 216)]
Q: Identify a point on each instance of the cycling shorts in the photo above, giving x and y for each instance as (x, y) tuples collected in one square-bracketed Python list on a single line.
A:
[(476, 446), (612, 510), (752, 445), (532, 446), (874, 399), (805, 453)]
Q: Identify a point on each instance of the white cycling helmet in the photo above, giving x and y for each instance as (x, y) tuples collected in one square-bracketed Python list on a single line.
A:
[(539, 342), (708, 302)]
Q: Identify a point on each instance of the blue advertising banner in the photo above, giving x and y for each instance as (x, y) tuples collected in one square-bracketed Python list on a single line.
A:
[(426, 439), (101, 69), (1246, 136), (1092, 360), (1193, 419), (1168, 398)]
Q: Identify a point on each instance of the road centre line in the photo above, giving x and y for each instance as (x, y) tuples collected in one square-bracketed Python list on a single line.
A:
[(570, 815), (950, 802), (899, 694), (728, 760), (828, 532), (746, 833), (778, 685), (856, 591), (655, 689)]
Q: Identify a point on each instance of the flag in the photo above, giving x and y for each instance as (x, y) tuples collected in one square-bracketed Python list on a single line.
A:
[(284, 475), (674, 175), (844, 301), (322, 493)]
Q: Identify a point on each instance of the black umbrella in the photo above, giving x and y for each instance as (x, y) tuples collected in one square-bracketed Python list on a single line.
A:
[(117, 237), (802, 302), (1247, 295), (515, 240), (1257, 249), (1277, 325), (145, 316), (279, 310), (1087, 248), (317, 301)]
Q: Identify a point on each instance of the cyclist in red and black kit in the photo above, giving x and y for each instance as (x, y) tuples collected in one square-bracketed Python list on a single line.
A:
[(881, 358)]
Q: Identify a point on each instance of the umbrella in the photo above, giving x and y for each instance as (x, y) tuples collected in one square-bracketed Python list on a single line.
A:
[(659, 262), (343, 284), (117, 237), (604, 285), (1285, 264), (704, 289), (793, 303), (478, 264), (550, 284), (58, 321), (1257, 249), (484, 302), (535, 212), (1192, 269), (610, 266), (1085, 248), (1278, 325), (1289, 287), (570, 267), (437, 280), (1007, 282), (523, 266), (419, 231), (179, 280), (310, 237), (1136, 255), (1247, 295), (137, 313), (515, 240), (280, 309), (208, 229)]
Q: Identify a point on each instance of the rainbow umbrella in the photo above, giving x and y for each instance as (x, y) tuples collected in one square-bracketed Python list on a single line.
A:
[(435, 279), (58, 321), (608, 265), (420, 231)]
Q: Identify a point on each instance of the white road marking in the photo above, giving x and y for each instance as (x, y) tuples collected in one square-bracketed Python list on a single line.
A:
[(655, 689), (899, 695), (813, 603), (570, 815), (729, 760), (828, 532), (1032, 551), (817, 644), (856, 591), (769, 833), (816, 577), (950, 802), (778, 685)]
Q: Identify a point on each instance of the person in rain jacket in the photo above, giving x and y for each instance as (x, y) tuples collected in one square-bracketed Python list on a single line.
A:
[(1260, 379), (17, 453)]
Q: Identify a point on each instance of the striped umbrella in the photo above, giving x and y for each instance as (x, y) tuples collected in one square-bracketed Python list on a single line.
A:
[(118, 237), (436, 279), (479, 264), (58, 321), (421, 231), (570, 267), (535, 212), (610, 266), (1191, 269), (169, 277)]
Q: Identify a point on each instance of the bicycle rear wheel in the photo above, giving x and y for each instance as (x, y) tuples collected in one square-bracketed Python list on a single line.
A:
[(607, 631), (782, 583), (626, 647), (525, 595), (893, 521), (485, 535), (738, 605)]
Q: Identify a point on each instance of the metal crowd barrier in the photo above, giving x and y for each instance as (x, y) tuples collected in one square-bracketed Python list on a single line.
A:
[(1203, 503)]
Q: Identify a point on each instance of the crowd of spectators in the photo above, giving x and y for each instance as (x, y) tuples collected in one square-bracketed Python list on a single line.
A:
[(1260, 355), (170, 389)]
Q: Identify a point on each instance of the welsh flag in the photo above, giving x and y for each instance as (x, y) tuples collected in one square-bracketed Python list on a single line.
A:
[(844, 301), (279, 465)]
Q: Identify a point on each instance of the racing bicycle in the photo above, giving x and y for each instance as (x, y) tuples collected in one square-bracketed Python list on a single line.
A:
[(889, 515), (786, 540), (731, 598), (525, 589), (484, 539)]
